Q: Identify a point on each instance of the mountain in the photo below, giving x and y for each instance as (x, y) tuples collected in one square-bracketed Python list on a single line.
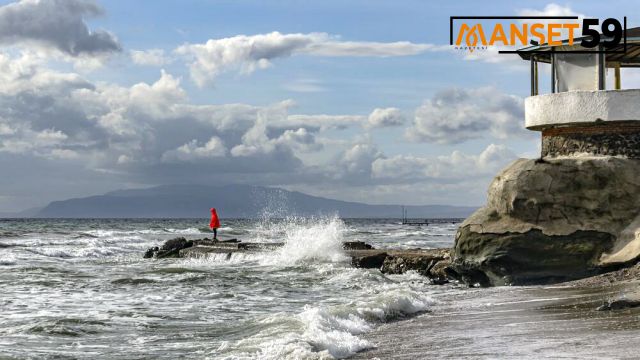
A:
[(232, 201)]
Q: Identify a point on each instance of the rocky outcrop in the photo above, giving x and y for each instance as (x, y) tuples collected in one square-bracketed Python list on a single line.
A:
[(171, 248), (356, 245), (432, 263), (552, 220), (367, 259)]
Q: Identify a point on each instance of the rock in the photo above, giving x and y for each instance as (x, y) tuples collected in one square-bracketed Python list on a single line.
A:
[(356, 245), (367, 259), (619, 304), (171, 248), (553, 220), (432, 263), (439, 273), (427, 262), (150, 252)]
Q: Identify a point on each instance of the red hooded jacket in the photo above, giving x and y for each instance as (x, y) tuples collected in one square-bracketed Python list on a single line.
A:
[(215, 222)]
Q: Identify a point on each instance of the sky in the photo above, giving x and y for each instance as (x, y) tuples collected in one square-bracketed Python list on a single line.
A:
[(355, 100)]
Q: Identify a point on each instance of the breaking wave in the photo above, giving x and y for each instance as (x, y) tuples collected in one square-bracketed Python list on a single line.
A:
[(332, 331)]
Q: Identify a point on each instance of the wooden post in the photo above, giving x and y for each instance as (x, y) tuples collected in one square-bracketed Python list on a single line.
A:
[(617, 76)]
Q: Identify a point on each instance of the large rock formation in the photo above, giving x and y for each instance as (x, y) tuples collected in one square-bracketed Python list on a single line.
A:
[(552, 220)]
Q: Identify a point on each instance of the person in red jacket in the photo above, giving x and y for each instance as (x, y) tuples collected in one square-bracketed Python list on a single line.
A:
[(214, 224)]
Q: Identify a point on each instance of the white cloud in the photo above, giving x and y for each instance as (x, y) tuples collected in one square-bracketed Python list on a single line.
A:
[(355, 164), (151, 57), (319, 122), (150, 133), (456, 115), (458, 165), (64, 154), (551, 9), (50, 136), (6, 130), (191, 151), (26, 73), (385, 117), (249, 53)]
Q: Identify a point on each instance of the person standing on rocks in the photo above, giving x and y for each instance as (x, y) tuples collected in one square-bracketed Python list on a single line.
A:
[(214, 224)]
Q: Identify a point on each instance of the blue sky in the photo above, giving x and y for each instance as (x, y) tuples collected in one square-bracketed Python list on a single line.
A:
[(298, 116)]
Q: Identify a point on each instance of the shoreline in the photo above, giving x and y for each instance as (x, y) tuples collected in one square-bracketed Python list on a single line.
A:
[(530, 322)]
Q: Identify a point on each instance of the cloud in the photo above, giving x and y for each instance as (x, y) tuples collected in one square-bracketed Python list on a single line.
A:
[(355, 164), (192, 152), (90, 137), (305, 86), (249, 53), (318, 122), (56, 24), (151, 57), (551, 9), (456, 115), (26, 73), (457, 165), (385, 117)]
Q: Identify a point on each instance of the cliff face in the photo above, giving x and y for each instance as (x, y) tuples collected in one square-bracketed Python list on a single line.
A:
[(553, 220)]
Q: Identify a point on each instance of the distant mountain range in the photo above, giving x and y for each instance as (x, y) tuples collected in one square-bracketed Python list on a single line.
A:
[(232, 201)]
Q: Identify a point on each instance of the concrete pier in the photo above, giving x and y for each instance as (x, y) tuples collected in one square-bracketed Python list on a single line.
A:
[(432, 263)]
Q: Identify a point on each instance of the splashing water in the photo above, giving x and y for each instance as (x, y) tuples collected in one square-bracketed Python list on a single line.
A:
[(313, 239), (302, 300)]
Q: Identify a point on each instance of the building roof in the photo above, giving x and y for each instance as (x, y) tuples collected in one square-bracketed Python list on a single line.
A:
[(627, 58)]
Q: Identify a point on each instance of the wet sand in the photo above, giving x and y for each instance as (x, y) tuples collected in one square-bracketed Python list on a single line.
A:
[(515, 322)]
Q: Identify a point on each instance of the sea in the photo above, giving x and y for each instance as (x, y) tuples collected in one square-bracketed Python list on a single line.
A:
[(80, 289)]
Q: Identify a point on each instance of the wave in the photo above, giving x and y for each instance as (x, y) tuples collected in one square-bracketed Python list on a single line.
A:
[(306, 241), (312, 239), (331, 331), (132, 281), (7, 259), (71, 327)]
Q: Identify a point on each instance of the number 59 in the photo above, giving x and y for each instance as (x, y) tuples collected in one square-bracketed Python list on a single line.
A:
[(615, 34)]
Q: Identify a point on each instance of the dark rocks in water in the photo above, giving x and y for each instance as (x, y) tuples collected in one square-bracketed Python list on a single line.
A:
[(432, 263), (150, 252), (367, 259), (171, 248), (356, 245), (619, 304)]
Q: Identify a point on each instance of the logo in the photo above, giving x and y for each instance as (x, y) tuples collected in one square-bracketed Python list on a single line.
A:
[(478, 33)]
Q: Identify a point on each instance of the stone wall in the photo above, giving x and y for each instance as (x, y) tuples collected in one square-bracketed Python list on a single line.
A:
[(620, 138)]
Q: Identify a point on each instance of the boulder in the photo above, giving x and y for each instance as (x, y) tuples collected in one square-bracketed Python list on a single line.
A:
[(356, 245), (171, 248), (431, 263), (552, 220), (367, 259), (619, 304)]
